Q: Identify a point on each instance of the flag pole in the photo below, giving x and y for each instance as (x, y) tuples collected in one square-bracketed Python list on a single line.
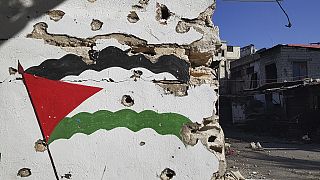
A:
[(21, 71)]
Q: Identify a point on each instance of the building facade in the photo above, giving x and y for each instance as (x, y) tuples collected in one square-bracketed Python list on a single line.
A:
[(281, 63), (277, 89)]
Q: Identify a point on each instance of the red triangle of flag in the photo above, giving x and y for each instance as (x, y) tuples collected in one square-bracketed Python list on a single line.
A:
[(54, 100)]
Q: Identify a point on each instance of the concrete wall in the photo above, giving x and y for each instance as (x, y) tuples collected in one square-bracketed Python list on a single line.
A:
[(241, 80), (283, 57), (294, 54), (224, 67), (156, 100)]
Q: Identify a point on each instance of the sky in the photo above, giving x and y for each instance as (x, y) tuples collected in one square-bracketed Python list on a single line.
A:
[(263, 23)]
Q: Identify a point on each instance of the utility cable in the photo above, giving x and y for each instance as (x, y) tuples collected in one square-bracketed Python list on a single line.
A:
[(289, 22), (289, 25)]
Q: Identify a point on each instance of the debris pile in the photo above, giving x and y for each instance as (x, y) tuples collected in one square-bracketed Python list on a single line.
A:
[(256, 146)]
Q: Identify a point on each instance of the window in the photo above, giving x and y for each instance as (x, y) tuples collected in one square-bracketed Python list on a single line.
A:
[(229, 48), (300, 70), (271, 73), (254, 80)]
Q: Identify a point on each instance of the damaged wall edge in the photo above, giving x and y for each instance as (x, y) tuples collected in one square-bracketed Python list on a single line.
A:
[(199, 52), (211, 135)]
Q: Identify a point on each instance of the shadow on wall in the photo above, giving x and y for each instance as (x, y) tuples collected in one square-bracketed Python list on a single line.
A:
[(15, 14)]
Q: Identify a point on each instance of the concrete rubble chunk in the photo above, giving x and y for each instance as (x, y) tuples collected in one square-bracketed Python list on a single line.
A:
[(256, 146)]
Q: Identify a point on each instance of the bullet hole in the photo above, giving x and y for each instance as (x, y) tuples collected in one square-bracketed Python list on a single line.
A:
[(212, 138), (55, 15), (24, 172), (96, 24), (182, 27), (142, 143), (12, 70), (167, 174), (136, 74), (141, 6), (179, 147), (133, 17), (67, 176), (163, 13), (172, 157), (127, 101), (216, 148), (144, 2), (93, 54), (138, 7), (40, 146)]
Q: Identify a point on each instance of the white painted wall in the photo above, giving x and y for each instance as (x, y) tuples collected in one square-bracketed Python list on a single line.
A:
[(19, 131), (118, 150), (85, 156), (113, 13), (146, 95)]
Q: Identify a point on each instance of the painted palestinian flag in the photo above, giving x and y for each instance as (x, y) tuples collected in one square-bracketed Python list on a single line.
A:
[(53, 100), (95, 131)]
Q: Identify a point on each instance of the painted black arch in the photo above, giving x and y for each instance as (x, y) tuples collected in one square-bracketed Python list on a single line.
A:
[(71, 64)]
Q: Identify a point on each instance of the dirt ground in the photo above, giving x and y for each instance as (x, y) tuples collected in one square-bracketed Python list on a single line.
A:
[(279, 159)]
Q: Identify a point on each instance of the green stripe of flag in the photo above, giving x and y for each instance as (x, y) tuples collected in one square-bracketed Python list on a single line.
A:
[(87, 123)]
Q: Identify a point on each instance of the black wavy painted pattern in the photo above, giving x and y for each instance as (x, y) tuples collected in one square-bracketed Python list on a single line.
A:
[(71, 64)]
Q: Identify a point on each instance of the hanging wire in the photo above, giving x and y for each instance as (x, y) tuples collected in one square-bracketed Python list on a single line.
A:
[(289, 25), (289, 22)]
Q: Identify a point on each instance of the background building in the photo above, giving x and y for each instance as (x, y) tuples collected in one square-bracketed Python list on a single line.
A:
[(278, 86)]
